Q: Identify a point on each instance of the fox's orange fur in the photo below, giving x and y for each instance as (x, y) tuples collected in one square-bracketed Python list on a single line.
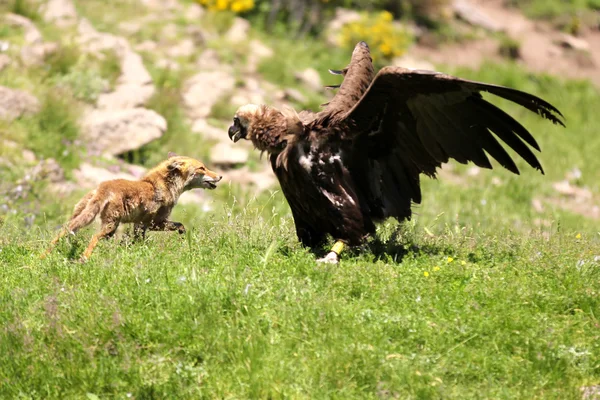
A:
[(146, 203)]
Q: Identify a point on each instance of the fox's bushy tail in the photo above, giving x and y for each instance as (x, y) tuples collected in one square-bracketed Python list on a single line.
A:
[(86, 211)]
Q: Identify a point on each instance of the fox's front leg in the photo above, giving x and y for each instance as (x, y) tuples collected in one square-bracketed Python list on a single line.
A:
[(168, 226)]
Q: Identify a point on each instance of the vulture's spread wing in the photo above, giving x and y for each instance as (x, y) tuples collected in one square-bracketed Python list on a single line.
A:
[(429, 117)]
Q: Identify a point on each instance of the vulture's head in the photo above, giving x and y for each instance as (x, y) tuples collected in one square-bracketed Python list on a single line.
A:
[(243, 121)]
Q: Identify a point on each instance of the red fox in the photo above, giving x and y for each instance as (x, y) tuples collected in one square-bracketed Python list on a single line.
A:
[(146, 203)]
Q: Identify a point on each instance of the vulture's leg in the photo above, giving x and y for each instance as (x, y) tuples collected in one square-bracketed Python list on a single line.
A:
[(333, 257)]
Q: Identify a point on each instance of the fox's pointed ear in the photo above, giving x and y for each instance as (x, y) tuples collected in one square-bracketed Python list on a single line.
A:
[(171, 155), (175, 164)]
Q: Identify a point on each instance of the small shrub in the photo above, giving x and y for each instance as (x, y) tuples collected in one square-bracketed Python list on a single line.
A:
[(26, 9), (237, 6), (386, 39), (53, 131), (62, 60), (510, 48)]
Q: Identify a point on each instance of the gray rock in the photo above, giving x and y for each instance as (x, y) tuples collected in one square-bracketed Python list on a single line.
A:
[(226, 155), (310, 78), (15, 103), (116, 132), (184, 48), (96, 42), (60, 12), (36, 54), (473, 15), (32, 34), (572, 42), (208, 131), (5, 61), (133, 70), (129, 95), (203, 90), (239, 30)]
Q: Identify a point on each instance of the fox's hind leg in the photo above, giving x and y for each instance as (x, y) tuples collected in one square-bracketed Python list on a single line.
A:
[(106, 231), (77, 210)]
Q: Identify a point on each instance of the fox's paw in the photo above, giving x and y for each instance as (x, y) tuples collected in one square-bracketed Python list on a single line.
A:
[(181, 229)]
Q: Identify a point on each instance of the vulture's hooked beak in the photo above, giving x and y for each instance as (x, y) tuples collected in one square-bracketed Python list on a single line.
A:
[(235, 133)]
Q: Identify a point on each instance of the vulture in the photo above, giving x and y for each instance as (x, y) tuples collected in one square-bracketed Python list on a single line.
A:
[(359, 160)]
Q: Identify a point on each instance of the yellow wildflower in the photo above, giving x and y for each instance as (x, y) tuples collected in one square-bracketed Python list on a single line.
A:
[(450, 259), (436, 268), (425, 274), (578, 236)]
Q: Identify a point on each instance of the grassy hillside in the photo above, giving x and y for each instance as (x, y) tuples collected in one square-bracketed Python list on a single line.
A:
[(481, 295)]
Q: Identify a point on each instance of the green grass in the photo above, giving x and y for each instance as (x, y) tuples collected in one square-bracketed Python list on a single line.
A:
[(237, 309), (556, 8)]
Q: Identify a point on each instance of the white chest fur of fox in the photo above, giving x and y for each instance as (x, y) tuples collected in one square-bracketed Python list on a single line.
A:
[(146, 203)]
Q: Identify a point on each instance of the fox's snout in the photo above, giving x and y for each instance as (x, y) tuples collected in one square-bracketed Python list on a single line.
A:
[(210, 179), (213, 175)]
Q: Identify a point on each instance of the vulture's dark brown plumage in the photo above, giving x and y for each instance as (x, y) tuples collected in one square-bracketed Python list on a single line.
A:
[(358, 161)]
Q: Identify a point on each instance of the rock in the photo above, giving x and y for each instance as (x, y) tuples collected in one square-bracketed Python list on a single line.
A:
[(28, 156), (197, 34), (475, 16), (194, 12), (166, 63), (148, 46), (238, 31), (251, 92), (412, 63), (185, 48), (116, 132), (36, 54), (567, 189), (5, 61), (342, 17), (208, 131), (572, 42), (226, 155), (310, 78), (257, 52), (60, 12), (126, 96), (262, 180), (133, 70), (208, 60), (48, 170), (32, 34), (89, 176), (95, 42), (537, 205), (130, 27), (169, 31), (15, 103), (162, 5), (294, 95), (203, 90)]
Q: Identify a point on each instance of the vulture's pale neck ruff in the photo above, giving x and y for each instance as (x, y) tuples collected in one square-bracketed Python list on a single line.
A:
[(264, 126)]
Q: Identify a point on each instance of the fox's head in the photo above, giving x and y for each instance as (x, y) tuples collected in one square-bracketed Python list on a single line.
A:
[(193, 173)]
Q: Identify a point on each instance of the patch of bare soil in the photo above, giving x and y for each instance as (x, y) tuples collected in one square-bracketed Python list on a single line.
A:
[(542, 47)]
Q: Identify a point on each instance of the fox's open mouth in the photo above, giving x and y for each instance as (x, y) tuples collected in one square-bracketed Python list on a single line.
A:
[(210, 185)]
